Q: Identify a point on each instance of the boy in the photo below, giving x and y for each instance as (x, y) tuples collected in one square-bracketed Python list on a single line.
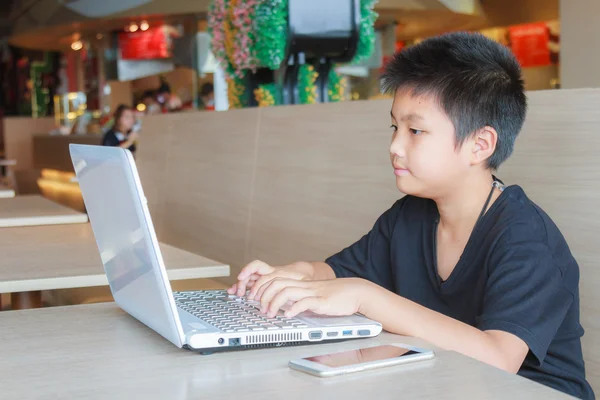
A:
[(461, 261)]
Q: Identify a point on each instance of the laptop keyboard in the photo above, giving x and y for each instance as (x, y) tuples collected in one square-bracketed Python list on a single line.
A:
[(231, 313)]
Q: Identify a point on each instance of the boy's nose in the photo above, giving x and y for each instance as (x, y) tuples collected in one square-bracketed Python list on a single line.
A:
[(397, 146)]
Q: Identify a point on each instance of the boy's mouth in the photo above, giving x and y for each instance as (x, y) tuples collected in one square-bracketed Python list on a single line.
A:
[(400, 171)]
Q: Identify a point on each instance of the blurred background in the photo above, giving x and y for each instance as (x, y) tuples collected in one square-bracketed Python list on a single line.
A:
[(61, 57), (67, 65)]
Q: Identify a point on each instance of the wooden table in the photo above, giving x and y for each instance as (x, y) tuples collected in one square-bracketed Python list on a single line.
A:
[(35, 210), (9, 180), (66, 256), (6, 192), (97, 351)]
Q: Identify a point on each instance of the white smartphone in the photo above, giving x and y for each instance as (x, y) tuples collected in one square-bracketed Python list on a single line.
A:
[(360, 360)]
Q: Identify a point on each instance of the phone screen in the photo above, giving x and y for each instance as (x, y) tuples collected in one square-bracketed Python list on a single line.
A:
[(360, 356)]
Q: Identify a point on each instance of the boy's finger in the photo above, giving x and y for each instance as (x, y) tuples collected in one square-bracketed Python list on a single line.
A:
[(241, 287), (255, 267), (260, 286), (306, 304), (290, 293), (275, 288), (232, 289)]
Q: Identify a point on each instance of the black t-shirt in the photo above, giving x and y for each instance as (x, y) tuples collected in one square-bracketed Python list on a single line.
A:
[(114, 138), (516, 274)]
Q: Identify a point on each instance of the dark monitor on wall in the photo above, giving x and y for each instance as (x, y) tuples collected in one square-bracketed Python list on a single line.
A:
[(324, 28)]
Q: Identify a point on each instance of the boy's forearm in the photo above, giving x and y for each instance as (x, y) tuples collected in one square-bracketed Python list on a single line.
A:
[(402, 316), (316, 271)]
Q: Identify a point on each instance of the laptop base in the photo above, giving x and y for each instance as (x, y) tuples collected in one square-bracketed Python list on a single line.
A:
[(226, 349)]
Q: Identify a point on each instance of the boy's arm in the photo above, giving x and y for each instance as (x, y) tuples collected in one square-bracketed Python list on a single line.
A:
[(526, 299), (399, 315), (256, 276), (315, 271), (367, 258), (321, 271)]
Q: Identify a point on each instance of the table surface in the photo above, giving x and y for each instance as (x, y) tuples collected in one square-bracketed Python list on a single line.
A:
[(6, 192), (34, 210), (98, 351), (7, 163), (66, 256)]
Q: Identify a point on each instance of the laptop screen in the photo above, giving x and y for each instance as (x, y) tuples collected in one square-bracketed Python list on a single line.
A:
[(125, 236)]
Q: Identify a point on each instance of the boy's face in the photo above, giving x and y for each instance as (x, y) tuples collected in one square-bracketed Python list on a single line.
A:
[(423, 152)]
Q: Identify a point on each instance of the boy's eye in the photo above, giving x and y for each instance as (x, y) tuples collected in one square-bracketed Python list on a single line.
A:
[(416, 131), (394, 128)]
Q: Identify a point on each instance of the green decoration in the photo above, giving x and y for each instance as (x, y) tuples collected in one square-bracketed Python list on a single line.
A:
[(366, 36), (40, 97), (251, 34), (270, 27)]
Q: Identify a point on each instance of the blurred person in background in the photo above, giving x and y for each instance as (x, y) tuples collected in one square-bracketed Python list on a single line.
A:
[(207, 95), (168, 101), (125, 131), (149, 100)]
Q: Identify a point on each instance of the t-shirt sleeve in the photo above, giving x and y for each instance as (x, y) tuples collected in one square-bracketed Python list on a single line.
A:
[(110, 139), (525, 294), (369, 257)]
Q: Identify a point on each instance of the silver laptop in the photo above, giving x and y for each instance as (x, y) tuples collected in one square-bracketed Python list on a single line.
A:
[(207, 321)]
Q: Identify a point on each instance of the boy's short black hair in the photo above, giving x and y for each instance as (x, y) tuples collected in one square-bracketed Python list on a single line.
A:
[(476, 81)]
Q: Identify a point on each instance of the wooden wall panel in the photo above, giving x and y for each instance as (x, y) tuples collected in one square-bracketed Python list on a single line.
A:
[(18, 138), (151, 159), (323, 177), (209, 182)]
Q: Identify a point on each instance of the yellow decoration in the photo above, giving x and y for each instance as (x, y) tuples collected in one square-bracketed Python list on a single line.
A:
[(235, 90), (230, 32), (264, 97), (339, 90), (306, 82)]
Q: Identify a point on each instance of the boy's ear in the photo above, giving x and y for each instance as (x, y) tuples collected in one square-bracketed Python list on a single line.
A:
[(484, 143)]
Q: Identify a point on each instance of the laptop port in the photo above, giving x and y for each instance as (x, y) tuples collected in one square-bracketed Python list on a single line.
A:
[(315, 335), (234, 341), (364, 332), (332, 334), (347, 333)]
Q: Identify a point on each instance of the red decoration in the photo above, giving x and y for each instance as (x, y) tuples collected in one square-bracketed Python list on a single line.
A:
[(399, 46), (72, 71), (384, 62), (529, 43), (143, 45)]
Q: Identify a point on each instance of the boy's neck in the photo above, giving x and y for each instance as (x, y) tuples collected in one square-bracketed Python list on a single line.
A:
[(460, 208)]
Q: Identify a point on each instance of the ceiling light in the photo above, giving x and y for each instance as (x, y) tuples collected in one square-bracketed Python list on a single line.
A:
[(77, 45)]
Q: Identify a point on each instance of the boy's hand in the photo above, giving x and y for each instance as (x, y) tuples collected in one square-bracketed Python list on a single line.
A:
[(334, 297), (256, 275)]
